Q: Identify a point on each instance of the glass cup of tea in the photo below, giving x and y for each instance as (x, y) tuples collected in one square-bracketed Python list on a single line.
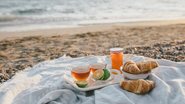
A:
[(116, 55), (97, 66), (80, 73)]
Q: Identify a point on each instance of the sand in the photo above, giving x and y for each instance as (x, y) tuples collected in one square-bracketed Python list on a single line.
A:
[(155, 39)]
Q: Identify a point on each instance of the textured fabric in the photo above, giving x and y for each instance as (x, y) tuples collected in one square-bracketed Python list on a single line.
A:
[(44, 84)]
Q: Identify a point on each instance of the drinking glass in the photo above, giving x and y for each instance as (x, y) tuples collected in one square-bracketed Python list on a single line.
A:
[(80, 73), (97, 66), (116, 55)]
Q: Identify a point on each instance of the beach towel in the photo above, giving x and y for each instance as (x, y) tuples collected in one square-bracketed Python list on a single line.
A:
[(44, 84)]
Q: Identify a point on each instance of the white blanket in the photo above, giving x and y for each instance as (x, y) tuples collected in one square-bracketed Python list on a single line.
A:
[(44, 84)]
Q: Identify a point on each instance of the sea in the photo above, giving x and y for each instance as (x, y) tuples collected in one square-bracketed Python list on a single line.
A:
[(18, 15)]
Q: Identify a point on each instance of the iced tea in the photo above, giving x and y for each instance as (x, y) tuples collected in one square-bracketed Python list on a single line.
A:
[(97, 66), (80, 73)]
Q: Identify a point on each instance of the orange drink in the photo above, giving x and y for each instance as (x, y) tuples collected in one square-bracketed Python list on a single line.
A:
[(97, 66), (80, 73), (116, 55)]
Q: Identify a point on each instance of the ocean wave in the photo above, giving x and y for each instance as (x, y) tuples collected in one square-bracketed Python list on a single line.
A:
[(29, 11), (74, 12), (8, 18)]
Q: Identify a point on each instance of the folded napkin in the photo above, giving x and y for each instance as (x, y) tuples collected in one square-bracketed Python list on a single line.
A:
[(44, 84)]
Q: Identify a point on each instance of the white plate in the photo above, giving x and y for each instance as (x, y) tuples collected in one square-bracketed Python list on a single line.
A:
[(94, 84)]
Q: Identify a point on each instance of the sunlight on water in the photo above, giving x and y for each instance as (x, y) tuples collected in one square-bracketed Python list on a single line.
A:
[(24, 13)]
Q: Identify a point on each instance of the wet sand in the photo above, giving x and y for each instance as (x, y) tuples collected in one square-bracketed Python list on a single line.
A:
[(85, 28)]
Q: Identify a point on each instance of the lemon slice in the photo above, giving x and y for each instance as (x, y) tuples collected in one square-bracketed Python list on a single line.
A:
[(98, 74), (81, 84)]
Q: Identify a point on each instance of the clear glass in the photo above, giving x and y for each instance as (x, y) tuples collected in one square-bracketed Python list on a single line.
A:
[(116, 55), (97, 66), (80, 73)]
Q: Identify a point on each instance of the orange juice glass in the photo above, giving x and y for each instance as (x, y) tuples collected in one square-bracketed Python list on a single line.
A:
[(116, 55)]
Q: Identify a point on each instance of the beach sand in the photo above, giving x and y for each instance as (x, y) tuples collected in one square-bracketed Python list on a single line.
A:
[(155, 39)]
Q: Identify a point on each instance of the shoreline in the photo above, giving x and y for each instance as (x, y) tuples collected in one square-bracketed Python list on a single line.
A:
[(97, 27)]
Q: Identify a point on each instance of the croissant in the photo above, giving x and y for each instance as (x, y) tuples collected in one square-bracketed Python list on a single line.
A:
[(141, 67), (131, 67), (137, 86), (147, 66)]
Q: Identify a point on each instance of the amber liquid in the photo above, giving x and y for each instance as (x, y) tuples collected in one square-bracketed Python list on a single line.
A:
[(117, 60), (97, 66), (93, 70), (80, 75)]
